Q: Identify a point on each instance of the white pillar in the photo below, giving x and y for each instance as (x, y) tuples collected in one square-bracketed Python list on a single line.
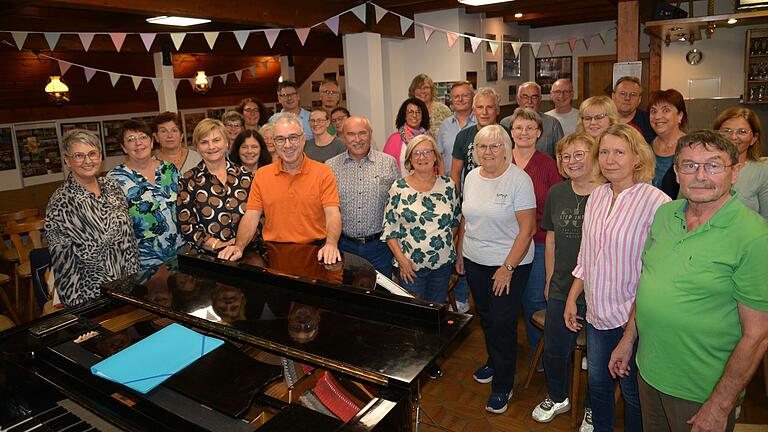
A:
[(166, 93), (287, 72), (365, 81)]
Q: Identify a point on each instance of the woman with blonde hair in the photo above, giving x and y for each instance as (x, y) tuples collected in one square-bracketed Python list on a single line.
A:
[(423, 88), (597, 114)]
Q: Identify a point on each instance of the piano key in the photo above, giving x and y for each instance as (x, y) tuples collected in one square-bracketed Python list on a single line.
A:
[(79, 427), (62, 422)]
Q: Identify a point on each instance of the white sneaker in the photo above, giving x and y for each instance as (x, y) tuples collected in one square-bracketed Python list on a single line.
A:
[(586, 424), (548, 409), (463, 307)]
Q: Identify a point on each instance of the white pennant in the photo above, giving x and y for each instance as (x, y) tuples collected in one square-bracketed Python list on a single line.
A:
[(494, 46), (224, 78), (52, 39), (380, 12), (302, 33), (239, 75), (516, 48), (405, 24), (113, 77), (427, 32), (147, 38), (359, 12), (535, 47), (178, 39), (271, 35), (475, 42), (156, 83), (552, 45), (64, 67), (211, 37), (242, 37), (176, 84), (19, 38), (86, 39), (572, 42), (136, 82)]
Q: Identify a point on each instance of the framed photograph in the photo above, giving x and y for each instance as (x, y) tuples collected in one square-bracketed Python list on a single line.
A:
[(94, 127), (191, 119), (214, 113), (512, 92), (551, 69), (39, 152), (341, 70), (316, 86), (444, 92), (112, 140), (7, 154), (490, 36), (491, 71), (330, 76), (510, 64), (468, 43), (472, 78)]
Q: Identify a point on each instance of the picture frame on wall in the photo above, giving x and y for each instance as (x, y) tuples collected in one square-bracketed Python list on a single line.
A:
[(490, 36), (191, 119), (330, 76), (341, 70), (316, 86), (512, 92), (510, 63), (39, 153), (472, 79), (94, 127), (551, 69), (7, 152), (112, 140), (491, 71)]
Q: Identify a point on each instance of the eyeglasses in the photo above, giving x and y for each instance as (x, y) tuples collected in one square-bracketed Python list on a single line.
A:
[(292, 138), (133, 139), (330, 92), (462, 96), (530, 97), (318, 120), (287, 95), (624, 95), (561, 92), (597, 117), (577, 156), (494, 148), (520, 129), (413, 112), (253, 110), (712, 168), (93, 155), (422, 153), (742, 132), (233, 125)]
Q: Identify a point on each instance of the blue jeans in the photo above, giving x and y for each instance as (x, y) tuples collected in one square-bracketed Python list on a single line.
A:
[(375, 251), (600, 345), (557, 356), (430, 285), (461, 290), (533, 296)]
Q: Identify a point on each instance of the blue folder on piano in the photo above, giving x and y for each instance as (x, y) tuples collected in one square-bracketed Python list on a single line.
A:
[(147, 363)]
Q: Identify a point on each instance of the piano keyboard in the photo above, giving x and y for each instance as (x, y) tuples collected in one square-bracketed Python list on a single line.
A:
[(65, 416)]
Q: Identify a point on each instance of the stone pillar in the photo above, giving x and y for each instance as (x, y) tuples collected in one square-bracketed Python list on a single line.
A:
[(365, 81), (166, 93)]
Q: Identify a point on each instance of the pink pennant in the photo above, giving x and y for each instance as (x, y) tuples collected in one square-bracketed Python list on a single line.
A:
[(588, 41), (552, 45), (64, 67), (572, 42), (176, 84), (117, 39), (89, 73), (333, 24), (302, 33), (427, 32), (147, 38), (475, 42), (271, 35), (452, 38), (86, 39)]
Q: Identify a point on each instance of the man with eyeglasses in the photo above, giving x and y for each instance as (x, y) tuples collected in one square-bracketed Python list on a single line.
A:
[(330, 97), (462, 117), (298, 197), (702, 304), (627, 94), (562, 96), (288, 96), (364, 176), (529, 96)]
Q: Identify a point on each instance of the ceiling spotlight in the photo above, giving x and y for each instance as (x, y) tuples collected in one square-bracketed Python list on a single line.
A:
[(177, 21), (481, 2), (733, 21), (519, 15)]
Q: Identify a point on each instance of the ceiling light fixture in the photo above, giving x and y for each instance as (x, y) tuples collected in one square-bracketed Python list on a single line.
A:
[(733, 21), (177, 21), (58, 92), (519, 15), (201, 83), (481, 2)]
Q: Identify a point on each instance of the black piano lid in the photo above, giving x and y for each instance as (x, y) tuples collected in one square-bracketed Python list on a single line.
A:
[(363, 332)]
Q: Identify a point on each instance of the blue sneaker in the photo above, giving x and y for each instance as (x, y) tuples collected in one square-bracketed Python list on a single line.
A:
[(497, 402), (483, 375)]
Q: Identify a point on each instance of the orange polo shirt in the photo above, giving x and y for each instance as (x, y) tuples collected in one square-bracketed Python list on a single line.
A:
[(293, 205)]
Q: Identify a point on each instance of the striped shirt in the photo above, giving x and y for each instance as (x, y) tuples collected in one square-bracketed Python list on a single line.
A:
[(612, 243)]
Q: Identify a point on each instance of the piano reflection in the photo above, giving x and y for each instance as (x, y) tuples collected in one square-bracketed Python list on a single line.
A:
[(307, 347)]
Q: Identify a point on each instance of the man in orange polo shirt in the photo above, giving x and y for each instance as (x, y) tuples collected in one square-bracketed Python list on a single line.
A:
[(297, 195)]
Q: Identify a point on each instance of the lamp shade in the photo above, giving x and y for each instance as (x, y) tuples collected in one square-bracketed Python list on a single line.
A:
[(58, 92), (201, 82)]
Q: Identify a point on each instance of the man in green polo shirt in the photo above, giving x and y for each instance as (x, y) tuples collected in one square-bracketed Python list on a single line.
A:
[(702, 299)]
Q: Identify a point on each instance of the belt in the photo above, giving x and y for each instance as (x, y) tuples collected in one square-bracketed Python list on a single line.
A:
[(364, 240)]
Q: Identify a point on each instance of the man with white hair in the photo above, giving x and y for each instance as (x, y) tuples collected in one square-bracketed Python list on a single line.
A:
[(529, 96)]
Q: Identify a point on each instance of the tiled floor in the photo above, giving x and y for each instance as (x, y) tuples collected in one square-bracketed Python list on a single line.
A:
[(456, 403)]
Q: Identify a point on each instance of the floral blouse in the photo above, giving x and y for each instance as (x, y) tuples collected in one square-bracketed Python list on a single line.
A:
[(153, 211), (207, 208), (423, 222)]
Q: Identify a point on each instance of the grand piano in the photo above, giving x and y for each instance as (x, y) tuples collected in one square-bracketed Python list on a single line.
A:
[(307, 347)]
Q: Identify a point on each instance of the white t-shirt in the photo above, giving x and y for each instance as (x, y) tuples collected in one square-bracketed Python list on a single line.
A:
[(490, 223), (569, 121)]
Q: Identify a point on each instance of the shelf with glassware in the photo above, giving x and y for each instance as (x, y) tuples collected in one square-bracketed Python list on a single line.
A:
[(756, 67)]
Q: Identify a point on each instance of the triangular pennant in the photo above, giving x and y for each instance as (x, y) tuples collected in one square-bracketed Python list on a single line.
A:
[(264, 64), (552, 45), (89, 73), (380, 12), (113, 77), (252, 70), (211, 37), (136, 81), (535, 47), (272, 34), (475, 42), (572, 42), (156, 83), (302, 33), (211, 80), (239, 75), (333, 24), (588, 41), (117, 39), (427, 32), (177, 39), (192, 82), (242, 37), (52, 39), (359, 12), (19, 38), (602, 37), (86, 39), (494, 46), (224, 78), (516, 47), (147, 38), (405, 24), (64, 66), (176, 84), (452, 38)]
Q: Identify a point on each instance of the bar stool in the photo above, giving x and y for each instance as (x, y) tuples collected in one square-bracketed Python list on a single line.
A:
[(32, 231)]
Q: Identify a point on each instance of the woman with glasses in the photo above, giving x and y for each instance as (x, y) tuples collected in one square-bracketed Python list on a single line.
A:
[(412, 120), (212, 195), (89, 230), (423, 88), (253, 111), (250, 151), (233, 121), (151, 187), (526, 130), (617, 220), (266, 133), (494, 248), (668, 120), (742, 127), (323, 145), (173, 148), (597, 114)]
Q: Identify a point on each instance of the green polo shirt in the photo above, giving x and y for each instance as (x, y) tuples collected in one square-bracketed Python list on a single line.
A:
[(689, 289)]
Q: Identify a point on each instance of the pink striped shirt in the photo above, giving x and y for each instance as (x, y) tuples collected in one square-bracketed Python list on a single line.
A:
[(612, 243)]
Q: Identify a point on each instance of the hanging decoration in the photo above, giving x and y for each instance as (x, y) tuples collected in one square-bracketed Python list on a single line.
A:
[(58, 92)]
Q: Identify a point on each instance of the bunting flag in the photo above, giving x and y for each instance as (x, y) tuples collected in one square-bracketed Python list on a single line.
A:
[(359, 12), (302, 33), (252, 70), (224, 78), (64, 67), (136, 82), (494, 46), (516, 48), (19, 38), (191, 82), (552, 45), (117, 39), (475, 42), (427, 32), (113, 77), (333, 24), (211, 37), (588, 41), (572, 42), (272, 35), (176, 84), (156, 83), (86, 39), (380, 12), (178, 39), (602, 38), (239, 75), (535, 47), (242, 37), (405, 24), (89, 73), (147, 38), (452, 38), (52, 39)]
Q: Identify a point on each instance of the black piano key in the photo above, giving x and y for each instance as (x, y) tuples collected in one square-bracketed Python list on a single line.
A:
[(79, 427), (50, 414), (62, 422)]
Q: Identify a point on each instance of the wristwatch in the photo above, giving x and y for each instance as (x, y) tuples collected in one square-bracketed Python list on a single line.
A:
[(509, 267)]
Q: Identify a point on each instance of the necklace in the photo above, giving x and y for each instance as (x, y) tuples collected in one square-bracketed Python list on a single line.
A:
[(577, 210)]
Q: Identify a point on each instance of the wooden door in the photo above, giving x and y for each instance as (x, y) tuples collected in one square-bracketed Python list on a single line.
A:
[(596, 76)]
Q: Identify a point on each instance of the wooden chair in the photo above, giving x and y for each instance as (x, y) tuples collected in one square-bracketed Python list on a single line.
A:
[(8, 254), (4, 279), (32, 232)]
